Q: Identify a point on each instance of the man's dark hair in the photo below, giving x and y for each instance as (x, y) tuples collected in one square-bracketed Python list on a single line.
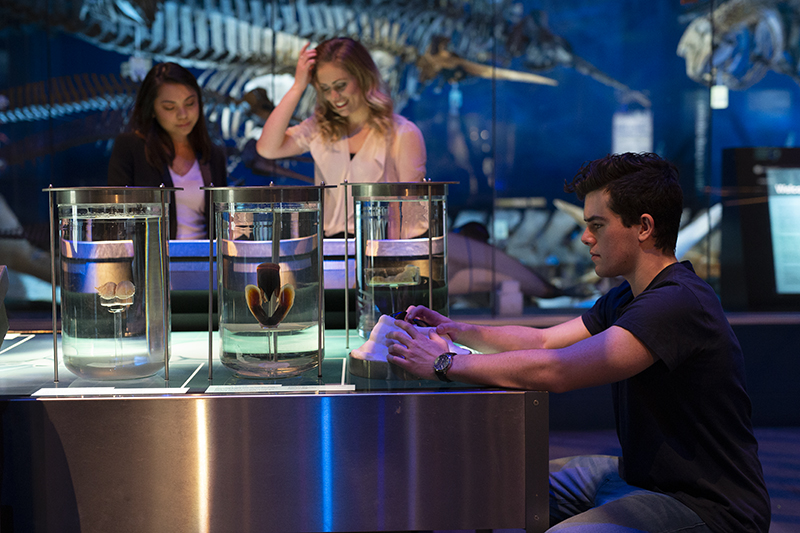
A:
[(636, 184)]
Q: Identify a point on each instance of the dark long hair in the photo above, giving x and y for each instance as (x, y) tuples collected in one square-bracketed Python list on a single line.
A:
[(159, 149), (351, 56), (636, 184)]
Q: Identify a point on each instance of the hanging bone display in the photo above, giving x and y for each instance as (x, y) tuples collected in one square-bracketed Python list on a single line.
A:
[(740, 41), (236, 40)]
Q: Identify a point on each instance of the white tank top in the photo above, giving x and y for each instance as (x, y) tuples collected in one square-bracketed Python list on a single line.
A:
[(190, 203)]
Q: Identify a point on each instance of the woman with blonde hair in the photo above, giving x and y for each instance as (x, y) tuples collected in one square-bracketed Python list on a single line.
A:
[(354, 134)]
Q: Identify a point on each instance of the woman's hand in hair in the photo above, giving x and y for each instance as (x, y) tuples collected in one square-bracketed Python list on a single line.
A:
[(274, 143), (305, 66)]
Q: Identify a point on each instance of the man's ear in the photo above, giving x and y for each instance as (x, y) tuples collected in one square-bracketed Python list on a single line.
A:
[(647, 227)]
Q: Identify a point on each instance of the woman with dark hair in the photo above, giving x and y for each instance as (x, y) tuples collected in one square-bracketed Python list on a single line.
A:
[(354, 134), (168, 144)]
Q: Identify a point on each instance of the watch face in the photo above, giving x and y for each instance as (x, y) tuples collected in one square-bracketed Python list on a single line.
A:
[(442, 365)]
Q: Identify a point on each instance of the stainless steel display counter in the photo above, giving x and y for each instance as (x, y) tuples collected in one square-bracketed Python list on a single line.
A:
[(337, 453)]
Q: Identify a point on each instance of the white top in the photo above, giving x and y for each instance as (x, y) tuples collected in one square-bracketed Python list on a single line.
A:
[(189, 203), (403, 161)]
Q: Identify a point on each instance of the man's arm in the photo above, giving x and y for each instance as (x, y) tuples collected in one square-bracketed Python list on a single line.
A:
[(607, 357), (507, 338), (493, 339)]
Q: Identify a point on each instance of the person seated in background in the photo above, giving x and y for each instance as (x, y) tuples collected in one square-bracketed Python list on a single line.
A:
[(354, 134), (168, 143), (689, 456)]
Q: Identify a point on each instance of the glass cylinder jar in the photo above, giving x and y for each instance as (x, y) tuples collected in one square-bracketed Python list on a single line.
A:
[(401, 249), (115, 310), (269, 264)]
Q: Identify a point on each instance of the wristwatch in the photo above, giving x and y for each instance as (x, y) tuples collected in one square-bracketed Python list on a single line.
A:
[(442, 365)]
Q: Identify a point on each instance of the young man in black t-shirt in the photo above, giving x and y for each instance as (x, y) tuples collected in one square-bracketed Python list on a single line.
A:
[(689, 458)]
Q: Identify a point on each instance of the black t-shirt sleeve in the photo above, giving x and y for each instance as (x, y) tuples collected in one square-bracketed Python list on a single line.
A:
[(664, 317), (661, 317), (604, 312)]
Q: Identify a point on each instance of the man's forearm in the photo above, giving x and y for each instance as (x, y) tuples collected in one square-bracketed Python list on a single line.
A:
[(493, 339)]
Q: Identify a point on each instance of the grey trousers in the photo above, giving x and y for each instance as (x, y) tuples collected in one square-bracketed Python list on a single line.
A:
[(587, 495)]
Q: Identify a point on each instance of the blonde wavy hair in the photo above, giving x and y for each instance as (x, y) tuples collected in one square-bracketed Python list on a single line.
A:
[(351, 56)]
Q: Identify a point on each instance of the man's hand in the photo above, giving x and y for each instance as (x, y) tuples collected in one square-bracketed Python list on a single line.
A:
[(457, 331), (414, 351), (428, 316)]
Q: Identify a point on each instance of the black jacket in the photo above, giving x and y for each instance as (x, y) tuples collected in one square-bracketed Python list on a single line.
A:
[(128, 166)]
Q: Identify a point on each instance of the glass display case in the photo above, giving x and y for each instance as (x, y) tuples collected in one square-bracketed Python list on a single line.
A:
[(401, 248), (270, 279), (114, 280)]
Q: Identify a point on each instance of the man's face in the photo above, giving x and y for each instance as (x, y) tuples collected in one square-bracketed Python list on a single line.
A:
[(613, 247)]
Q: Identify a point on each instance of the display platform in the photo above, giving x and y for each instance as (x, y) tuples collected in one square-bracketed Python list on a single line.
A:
[(308, 453)]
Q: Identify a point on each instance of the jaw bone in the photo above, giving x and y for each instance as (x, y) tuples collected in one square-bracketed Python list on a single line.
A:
[(439, 59)]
